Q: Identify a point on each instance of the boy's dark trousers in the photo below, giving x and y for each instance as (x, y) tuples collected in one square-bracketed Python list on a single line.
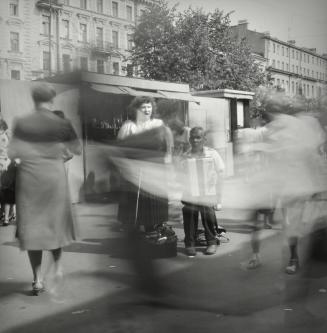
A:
[(191, 217)]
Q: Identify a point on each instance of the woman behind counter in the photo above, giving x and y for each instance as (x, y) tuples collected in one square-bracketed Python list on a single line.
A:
[(136, 205), (44, 213)]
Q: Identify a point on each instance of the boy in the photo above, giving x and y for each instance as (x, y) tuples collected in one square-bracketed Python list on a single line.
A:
[(202, 185)]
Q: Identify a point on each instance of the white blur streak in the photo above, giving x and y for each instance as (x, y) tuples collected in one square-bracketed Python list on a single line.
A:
[(281, 162), (284, 165)]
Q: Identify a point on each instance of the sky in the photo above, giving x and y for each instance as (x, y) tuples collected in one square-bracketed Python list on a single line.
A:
[(305, 21)]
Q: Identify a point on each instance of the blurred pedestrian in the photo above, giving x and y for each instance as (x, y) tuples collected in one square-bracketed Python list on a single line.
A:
[(7, 176), (44, 213)]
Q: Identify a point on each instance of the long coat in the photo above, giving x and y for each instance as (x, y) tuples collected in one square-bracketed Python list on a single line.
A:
[(44, 212)]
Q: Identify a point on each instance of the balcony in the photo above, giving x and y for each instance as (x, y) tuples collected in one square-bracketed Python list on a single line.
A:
[(104, 48), (47, 4)]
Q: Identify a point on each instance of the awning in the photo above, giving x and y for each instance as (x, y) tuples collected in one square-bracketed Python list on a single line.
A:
[(178, 95), (134, 92), (104, 88), (122, 90)]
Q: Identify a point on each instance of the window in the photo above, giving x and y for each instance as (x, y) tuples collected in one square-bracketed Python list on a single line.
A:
[(129, 13), (297, 69), (83, 32), (84, 4), (115, 67), (115, 39), (278, 64), (292, 87), (297, 55), (13, 8), (65, 29), (278, 49), (282, 50), (304, 90), (14, 41), (100, 6), (130, 42), (312, 91), (15, 75), (45, 25), (100, 66), (99, 37), (292, 54), (282, 65), (312, 73), (287, 67), (286, 52), (308, 90), (278, 82), (46, 61), (274, 48), (84, 63), (115, 9), (66, 62), (293, 68)]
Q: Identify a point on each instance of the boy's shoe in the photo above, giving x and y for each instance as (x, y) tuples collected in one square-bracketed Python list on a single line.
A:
[(211, 249), (292, 267), (190, 251)]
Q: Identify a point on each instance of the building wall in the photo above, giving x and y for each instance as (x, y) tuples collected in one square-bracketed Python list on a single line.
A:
[(293, 68), (28, 60)]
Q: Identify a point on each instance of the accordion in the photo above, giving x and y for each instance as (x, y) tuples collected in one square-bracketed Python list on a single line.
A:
[(200, 181)]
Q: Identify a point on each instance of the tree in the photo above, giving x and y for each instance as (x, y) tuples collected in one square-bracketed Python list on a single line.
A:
[(193, 47)]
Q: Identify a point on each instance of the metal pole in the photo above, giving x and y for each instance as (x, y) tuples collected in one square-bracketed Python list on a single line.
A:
[(50, 71)]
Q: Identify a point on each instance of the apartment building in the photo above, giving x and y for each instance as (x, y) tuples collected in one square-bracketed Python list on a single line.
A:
[(297, 70), (39, 38)]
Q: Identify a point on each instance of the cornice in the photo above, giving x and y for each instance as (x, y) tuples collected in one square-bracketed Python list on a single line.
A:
[(15, 22)]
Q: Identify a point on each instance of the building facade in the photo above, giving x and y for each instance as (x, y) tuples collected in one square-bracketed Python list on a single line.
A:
[(39, 38), (295, 69)]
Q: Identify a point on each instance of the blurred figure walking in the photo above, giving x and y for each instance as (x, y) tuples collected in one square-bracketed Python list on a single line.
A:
[(44, 213)]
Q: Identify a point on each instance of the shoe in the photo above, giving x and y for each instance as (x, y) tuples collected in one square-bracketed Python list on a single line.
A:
[(211, 249), (292, 267), (254, 263), (190, 251), (5, 223), (37, 288)]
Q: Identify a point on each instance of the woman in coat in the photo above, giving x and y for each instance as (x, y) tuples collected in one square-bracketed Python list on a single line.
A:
[(44, 213), (146, 139)]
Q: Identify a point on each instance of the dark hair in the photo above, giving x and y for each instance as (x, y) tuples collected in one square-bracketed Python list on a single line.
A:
[(59, 113), (137, 102), (167, 109), (3, 125), (42, 93), (176, 125), (197, 128)]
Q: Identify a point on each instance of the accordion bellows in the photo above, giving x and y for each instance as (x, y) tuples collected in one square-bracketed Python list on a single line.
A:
[(200, 181)]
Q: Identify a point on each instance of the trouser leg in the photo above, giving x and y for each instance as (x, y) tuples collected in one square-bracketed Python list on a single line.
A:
[(209, 222), (190, 218)]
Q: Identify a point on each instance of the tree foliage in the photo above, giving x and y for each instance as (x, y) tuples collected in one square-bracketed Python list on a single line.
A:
[(193, 47)]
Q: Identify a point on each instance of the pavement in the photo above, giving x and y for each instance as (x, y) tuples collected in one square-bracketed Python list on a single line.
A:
[(202, 294)]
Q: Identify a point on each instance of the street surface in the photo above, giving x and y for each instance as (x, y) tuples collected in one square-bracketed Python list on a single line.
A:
[(202, 294)]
